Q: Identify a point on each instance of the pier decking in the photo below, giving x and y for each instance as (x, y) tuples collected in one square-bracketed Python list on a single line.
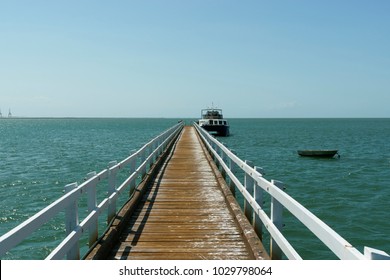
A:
[(185, 213)]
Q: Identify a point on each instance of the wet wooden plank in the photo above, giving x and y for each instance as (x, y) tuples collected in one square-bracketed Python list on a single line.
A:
[(188, 237), (182, 256), (175, 249)]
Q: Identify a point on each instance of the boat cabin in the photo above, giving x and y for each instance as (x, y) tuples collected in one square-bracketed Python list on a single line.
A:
[(212, 120)]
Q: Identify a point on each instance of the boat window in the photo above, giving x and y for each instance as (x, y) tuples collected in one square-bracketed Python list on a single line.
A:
[(220, 122)]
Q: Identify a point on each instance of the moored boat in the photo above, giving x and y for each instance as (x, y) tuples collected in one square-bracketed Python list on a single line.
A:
[(212, 120), (318, 153)]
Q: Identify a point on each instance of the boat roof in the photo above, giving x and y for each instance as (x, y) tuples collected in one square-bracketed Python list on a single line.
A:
[(212, 113)]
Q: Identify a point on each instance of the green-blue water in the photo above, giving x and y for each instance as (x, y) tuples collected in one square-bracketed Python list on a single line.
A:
[(38, 157)]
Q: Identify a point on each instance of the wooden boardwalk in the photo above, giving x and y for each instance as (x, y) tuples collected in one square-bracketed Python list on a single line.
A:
[(185, 212)]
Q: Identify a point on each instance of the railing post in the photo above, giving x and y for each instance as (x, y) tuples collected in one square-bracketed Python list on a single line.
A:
[(151, 159), (248, 183), (161, 148), (111, 190), (277, 220), (216, 149), (92, 204), (71, 222), (213, 147), (143, 157), (133, 163), (258, 195), (223, 156), (233, 168), (155, 153)]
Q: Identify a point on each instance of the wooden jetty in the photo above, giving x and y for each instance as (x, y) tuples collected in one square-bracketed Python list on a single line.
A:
[(176, 204), (186, 212)]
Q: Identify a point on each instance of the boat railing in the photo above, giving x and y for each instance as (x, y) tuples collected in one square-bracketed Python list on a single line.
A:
[(136, 165), (252, 186)]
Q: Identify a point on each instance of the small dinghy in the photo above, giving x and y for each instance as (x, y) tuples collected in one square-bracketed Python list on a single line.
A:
[(318, 153)]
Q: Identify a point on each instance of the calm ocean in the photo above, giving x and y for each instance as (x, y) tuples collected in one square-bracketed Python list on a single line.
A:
[(38, 157)]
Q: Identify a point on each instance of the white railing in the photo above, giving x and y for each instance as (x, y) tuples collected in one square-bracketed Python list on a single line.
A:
[(252, 190), (137, 165)]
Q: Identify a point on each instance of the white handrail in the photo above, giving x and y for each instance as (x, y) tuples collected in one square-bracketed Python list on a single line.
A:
[(338, 245), (150, 152)]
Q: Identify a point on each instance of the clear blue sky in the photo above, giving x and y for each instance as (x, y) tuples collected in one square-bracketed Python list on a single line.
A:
[(173, 58)]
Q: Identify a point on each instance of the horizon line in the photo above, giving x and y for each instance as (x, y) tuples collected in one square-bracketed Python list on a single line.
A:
[(178, 118)]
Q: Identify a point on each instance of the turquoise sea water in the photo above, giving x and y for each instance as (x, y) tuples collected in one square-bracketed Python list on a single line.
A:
[(38, 157)]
